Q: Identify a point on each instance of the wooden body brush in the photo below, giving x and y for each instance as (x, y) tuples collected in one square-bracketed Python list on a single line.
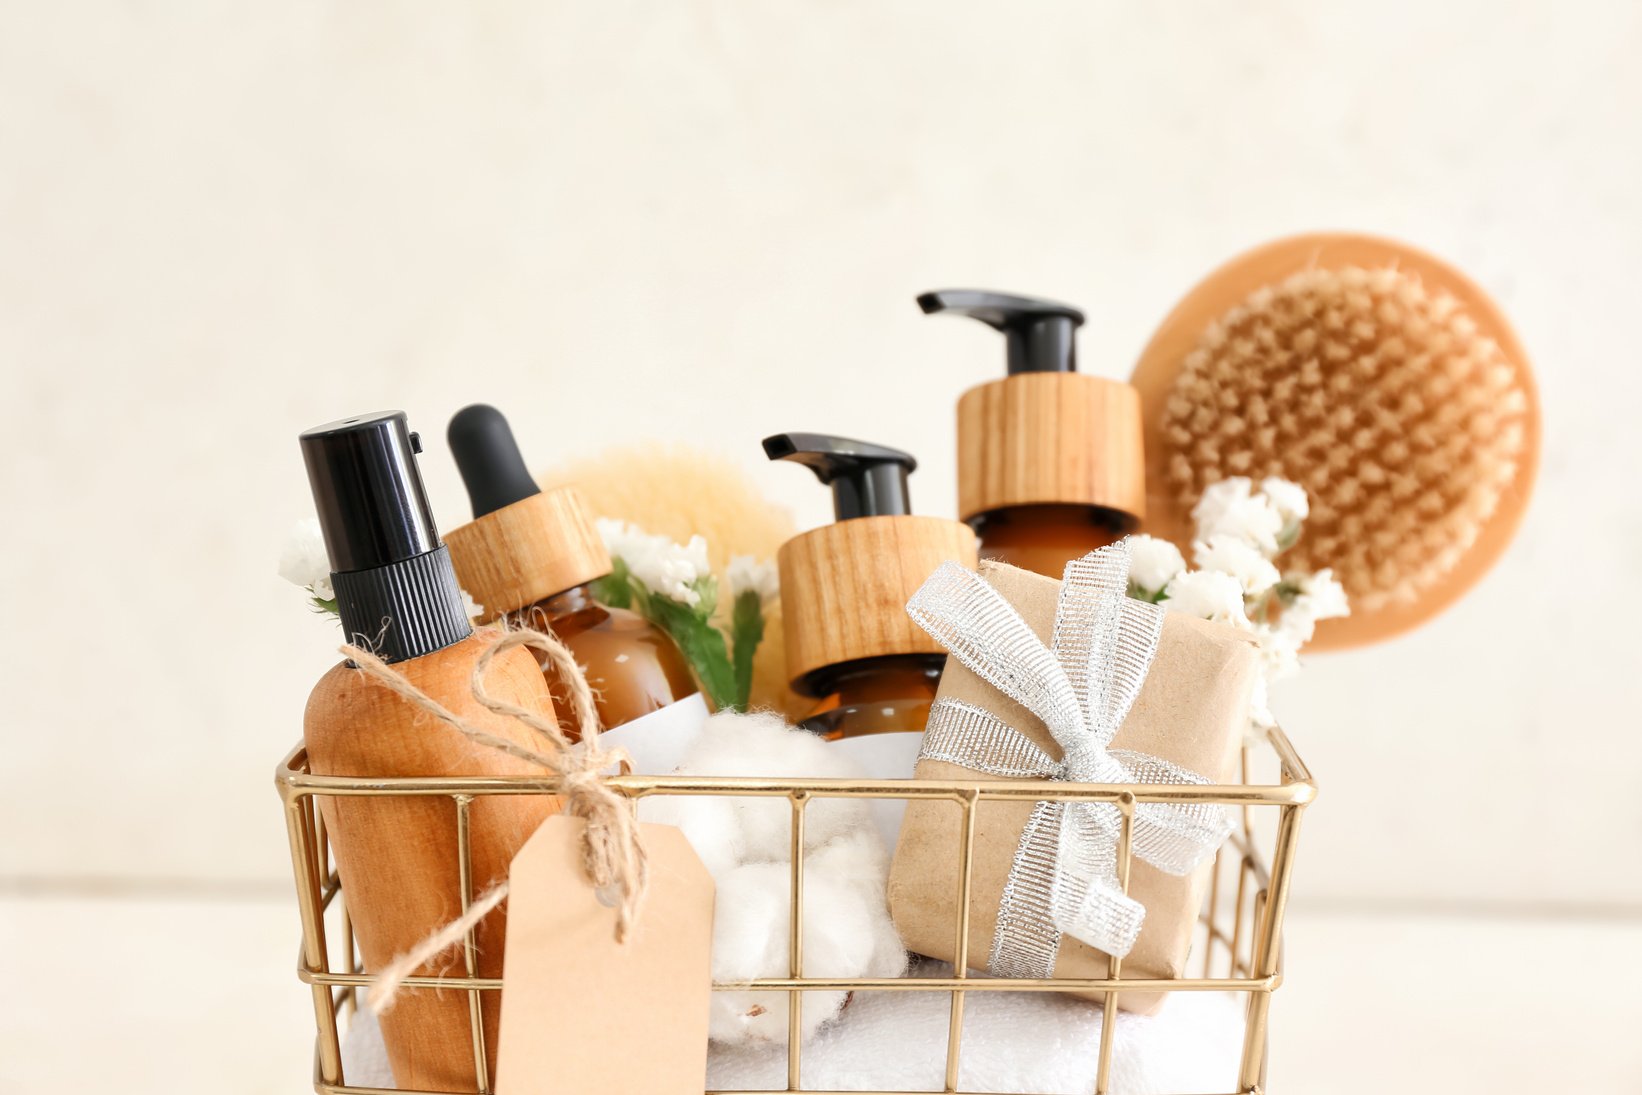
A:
[(1379, 378)]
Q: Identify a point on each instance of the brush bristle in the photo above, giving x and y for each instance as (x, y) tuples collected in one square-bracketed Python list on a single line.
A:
[(1404, 423)]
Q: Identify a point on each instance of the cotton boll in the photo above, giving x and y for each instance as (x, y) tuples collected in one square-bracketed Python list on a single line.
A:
[(750, 926), (847, 933), (708, 822), (859, 862), (762, 745)]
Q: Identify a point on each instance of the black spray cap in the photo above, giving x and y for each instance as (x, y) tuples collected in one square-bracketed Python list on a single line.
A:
[(487, 456), (1039, 334), (395, 588), (867, 480), (368, 491)]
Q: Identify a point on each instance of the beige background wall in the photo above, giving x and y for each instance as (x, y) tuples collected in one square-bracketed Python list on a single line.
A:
[(223, 222)]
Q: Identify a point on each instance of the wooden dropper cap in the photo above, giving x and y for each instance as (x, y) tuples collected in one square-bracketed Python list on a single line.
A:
[(1045, 434), (524, 544), (845, 586)]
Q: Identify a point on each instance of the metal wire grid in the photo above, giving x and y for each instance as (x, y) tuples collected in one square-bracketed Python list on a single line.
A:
[(1251, 943)]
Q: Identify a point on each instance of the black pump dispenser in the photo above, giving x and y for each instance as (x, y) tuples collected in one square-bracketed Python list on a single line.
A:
[(395, 588), (867, 480), (488, 457), (1040, 334)]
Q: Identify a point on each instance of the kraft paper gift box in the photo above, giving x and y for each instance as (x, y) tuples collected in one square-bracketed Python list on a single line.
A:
[(1191, 709)]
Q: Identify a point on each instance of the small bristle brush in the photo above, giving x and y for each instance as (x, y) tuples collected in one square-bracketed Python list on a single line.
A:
[(1377, 377)]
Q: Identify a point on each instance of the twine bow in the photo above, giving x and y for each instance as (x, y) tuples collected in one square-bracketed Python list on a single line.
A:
[(612, 852), (1064, 876)]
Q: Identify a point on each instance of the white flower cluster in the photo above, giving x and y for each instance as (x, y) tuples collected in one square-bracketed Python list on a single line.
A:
[(746, 573), (666, 568), (304, 561), (1240, 531)]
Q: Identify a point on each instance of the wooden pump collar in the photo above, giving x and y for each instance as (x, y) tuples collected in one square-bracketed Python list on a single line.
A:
[(1050, 439), (845, 586)]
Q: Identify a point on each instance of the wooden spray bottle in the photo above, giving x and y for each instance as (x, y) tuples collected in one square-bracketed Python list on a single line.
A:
[(1050, 462), (397, 857)]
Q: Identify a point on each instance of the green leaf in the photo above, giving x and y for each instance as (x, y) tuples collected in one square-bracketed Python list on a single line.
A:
[(746, 632), (702, 646), (615, 589), (1150, 596)]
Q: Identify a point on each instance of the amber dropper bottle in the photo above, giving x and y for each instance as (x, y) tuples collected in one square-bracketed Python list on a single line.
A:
[(1050, 463), (531, 555), (844, 588)]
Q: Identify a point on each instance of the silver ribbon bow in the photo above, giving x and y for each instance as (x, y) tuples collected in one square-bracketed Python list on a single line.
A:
[(1064, 877)]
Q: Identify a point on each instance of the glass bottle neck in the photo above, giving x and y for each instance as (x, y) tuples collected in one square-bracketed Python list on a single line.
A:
[(568, 602), (1043, 538), (872, 680)]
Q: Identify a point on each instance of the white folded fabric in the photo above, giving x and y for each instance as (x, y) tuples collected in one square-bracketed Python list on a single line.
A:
[(1030, 1043)]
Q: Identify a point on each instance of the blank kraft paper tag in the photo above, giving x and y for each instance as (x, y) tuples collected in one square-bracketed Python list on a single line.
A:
[(582, 1013)]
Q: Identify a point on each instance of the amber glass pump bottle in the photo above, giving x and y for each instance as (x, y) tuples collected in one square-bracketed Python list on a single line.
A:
[(1050, 464), (844, 588), (530, 555), (396, 856)]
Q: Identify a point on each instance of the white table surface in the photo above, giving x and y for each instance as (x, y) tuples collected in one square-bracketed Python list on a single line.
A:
[(197, 995)]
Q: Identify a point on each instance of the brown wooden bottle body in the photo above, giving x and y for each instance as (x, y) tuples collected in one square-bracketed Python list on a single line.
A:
[(397, 857), (1044, 538), (632, 666)]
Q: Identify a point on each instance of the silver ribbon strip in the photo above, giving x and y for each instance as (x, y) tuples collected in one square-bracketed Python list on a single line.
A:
[(1064, 876)]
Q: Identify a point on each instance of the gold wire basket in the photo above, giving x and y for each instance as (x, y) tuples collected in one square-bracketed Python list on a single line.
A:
[(1239, 933)]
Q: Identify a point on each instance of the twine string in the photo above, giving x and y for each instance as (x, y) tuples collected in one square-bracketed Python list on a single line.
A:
[(612, 853)]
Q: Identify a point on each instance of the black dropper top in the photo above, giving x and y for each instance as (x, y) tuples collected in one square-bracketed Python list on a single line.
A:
[(867, 480), (488, 458), (1039, 334), (395, 588)]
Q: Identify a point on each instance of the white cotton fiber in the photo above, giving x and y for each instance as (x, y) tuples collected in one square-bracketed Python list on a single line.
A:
[(847, 933), (746, 844), (708, 822), (764, 745), (858, 864)]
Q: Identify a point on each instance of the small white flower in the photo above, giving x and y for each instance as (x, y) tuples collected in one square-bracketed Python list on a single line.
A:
[(1239, 558), (1208, 595), (622, 540), (304, 562), (666, 569), (1279, 658), (1230, 508), (747, 573), (1152, 563), (694, 554), (1288, 498), (1320, 597), (1279, 651), (1260, 715)]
